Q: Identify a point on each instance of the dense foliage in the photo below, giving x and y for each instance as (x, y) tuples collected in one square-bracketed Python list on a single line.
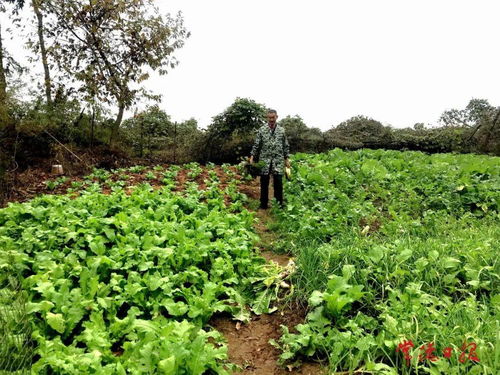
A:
[(96, 57), (124, 283), (394, 247), (396, 259), (232, 132)]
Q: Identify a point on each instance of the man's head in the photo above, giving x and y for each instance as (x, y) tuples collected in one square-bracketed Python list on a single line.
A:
[(272, 116)]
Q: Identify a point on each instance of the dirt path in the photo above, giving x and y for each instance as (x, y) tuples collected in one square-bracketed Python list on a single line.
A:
[(248, 344)]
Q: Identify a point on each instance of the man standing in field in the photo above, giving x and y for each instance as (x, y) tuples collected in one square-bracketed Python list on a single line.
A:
[(271, 147)]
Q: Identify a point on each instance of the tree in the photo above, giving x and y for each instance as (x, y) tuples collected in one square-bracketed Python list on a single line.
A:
[(3, 84), (363, 130), (186, 142), (152, 133), (36, 5), (7, 66), (293, 125), (5, 60), (486, 132), (3, 122), (302, 138), (295, 129), (147, 130), (470, 116), (18, 4), (240, 118), (314, 140), (482, 121), (231, 132), (109, 47), (187, 128)]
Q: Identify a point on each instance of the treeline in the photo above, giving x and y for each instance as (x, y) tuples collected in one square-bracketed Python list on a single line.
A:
[(96, 57), (39, 133), (231, 133)]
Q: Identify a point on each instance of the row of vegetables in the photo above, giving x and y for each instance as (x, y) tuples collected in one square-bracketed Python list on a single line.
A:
[(396, 261), (127, 282), (397, 258)]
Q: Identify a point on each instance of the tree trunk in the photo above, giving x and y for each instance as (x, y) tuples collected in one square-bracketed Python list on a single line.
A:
[(116, 125), (4, 160), (43, 51), (3, 84), (175, 142), (141, 137), (92, 125)]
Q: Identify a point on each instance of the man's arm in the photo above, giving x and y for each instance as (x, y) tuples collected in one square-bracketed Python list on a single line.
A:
[(286, 150), (256, 146)]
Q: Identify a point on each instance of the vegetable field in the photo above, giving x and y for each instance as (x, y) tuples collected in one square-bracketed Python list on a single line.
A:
[(126, 283), (397, 257), (396, 262)]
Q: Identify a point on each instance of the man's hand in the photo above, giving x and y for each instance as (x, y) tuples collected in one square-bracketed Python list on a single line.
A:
[(250, 160), (287, 163)]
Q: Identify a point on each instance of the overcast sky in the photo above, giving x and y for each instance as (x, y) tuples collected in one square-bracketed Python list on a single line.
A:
[(398, 61)]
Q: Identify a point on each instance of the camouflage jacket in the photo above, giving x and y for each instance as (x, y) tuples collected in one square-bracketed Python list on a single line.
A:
[(271, 146)]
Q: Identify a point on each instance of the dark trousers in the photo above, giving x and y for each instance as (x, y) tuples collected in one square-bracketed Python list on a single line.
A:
[(264, 189)]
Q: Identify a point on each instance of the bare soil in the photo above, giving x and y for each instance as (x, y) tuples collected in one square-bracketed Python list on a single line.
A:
[(248, 343), (32, 181)]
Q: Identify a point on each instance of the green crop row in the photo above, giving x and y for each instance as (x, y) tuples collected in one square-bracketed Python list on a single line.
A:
[(127, 284), (394, 247)]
